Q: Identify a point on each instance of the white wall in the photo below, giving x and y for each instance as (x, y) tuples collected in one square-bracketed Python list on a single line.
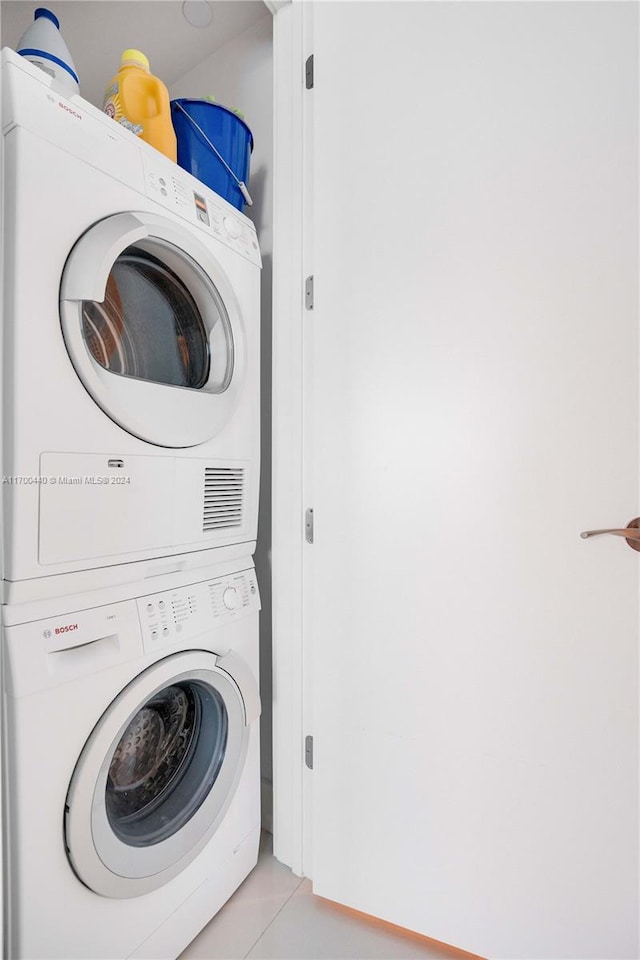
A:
[(239, 75)]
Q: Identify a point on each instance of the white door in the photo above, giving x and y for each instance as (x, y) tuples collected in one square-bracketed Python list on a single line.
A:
[(475, 407)]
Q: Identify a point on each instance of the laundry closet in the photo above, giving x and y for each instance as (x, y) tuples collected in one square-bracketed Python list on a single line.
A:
[(131, 602), (449, 383)]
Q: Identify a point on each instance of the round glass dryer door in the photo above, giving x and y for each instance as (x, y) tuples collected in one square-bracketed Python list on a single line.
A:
[(153, 329), (157, 774)]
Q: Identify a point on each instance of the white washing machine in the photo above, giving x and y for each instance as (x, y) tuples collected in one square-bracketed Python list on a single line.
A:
[(130, 349), (132, 785)]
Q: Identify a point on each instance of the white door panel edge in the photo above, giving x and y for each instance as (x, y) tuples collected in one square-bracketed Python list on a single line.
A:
[(475, 391), (287, 439)]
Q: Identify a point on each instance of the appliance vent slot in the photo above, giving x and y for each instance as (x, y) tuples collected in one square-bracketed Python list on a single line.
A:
[(223, 497)]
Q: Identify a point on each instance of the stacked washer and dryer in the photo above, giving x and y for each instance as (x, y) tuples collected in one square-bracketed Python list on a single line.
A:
[(130, 464)]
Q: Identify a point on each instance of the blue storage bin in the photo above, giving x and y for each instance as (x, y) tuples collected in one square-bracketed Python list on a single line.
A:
[(231, 143)]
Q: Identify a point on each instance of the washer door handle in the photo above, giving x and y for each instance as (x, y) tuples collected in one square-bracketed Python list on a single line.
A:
[(92, 259)]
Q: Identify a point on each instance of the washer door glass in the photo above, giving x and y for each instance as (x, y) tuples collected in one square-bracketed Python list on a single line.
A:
[(149, 327), (158, 772), (166, 762)]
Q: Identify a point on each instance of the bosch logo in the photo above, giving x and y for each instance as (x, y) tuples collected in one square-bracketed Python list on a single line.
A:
[(46, 634), (68, 627), (74, 113)]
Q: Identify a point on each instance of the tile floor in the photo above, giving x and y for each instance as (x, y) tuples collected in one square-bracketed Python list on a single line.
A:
[(275, 916)]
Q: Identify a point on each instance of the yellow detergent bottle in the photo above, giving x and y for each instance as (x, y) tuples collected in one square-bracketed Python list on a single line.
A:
[(140, 102)]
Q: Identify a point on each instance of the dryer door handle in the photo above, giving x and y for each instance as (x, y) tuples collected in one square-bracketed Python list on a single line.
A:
[(92, 259), (244, 679)]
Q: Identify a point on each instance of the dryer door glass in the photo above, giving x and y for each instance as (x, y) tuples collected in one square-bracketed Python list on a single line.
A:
[(166, 763), (161, 323), (149, 325)]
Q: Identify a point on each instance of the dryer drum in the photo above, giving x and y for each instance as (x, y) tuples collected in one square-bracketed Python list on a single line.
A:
[(104, 331), (149, 326)]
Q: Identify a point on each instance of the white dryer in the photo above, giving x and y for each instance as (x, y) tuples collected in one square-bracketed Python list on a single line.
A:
[(131, 765), (130, 348)]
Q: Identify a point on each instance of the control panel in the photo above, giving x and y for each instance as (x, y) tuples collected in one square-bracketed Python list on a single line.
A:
[(177, 615), (179, 191), (92, 137)]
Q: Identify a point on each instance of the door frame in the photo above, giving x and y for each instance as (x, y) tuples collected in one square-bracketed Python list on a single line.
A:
[(291, 716)]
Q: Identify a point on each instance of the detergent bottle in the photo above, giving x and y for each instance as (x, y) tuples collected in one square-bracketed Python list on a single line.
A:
[(140, 102), (43, 45)]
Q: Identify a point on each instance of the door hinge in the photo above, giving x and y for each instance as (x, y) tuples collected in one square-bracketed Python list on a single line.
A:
[(308, 525), (308, 73), (308, 752), (308, 293)]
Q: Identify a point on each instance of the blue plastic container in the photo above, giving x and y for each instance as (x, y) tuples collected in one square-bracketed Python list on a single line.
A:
[(228, 134)]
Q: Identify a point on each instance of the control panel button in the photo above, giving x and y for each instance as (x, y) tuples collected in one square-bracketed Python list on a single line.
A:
[(150, 608), (161, 605), (232, 227), (165, 632), (230, 598)]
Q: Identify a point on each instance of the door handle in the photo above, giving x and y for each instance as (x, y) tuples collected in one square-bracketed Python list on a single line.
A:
[(631, 533)]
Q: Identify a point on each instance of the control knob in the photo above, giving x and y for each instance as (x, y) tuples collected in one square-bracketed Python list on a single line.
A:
[(230, 598), (232, 227)]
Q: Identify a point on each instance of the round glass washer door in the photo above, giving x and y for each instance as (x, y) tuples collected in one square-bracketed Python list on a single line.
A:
[(153, 329), (158, 772)]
